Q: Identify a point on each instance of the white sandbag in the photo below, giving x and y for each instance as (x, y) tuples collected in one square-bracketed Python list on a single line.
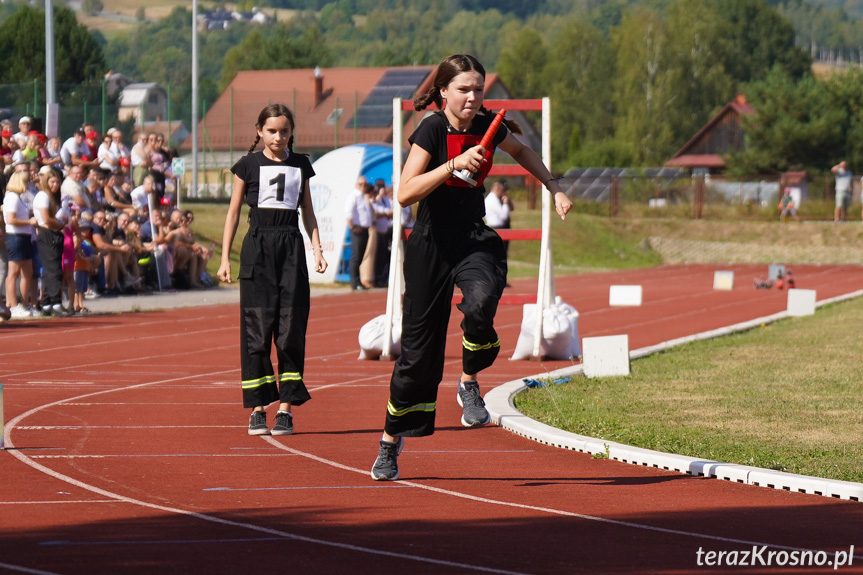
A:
[(559, 332), (371, 337)]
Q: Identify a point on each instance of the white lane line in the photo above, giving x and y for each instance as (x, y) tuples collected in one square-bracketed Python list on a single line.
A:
[(213, 519), (137, 403), (85, 501), (546, 510), (312, 487), (19, 569), (139, 455), (64, 427)]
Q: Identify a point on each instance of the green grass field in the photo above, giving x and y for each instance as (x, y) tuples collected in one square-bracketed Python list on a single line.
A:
[(786, 396)]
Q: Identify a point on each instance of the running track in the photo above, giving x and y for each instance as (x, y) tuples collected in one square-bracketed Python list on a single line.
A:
[(128, 453)]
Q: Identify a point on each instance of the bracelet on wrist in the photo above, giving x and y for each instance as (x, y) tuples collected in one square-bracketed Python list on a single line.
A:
[(545, 183)]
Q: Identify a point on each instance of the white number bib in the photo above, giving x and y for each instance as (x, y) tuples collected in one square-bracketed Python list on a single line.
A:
[(279, 187)]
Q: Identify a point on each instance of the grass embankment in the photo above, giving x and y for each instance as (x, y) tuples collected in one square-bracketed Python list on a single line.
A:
[(786, 396)]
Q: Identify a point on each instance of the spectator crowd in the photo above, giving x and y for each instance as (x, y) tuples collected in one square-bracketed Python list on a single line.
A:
[(89, 217), (369, 216)]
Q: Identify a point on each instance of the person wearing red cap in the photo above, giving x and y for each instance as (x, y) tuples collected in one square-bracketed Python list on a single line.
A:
[(5, 149), (90, 155)]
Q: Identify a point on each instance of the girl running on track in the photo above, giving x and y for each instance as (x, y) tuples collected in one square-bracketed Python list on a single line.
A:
[(274, 279), (450, 246)]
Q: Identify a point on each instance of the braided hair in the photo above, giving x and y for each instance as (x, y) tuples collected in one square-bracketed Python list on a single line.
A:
[(274, 111), (448, 69)]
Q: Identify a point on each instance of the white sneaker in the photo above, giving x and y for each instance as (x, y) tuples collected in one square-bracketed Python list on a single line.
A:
[(20, 312)]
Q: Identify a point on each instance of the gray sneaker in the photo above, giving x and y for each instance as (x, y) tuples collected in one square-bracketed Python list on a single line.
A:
[(386, 467), (469, 398), (258, 423), (284, 424)]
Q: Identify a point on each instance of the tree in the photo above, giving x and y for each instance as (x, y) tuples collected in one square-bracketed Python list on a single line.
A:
[(645, 86), (579, 72), (760, 39), (22, 43), (274, 51), (697, 51), (797, 125)]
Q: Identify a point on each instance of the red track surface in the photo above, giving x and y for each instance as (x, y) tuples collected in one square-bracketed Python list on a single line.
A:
[(129, 454)]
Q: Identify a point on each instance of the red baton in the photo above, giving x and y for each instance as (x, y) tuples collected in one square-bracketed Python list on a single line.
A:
[(466, 174)]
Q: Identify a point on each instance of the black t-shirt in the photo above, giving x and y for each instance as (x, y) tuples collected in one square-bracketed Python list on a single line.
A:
[(454, 204), (274, 190)]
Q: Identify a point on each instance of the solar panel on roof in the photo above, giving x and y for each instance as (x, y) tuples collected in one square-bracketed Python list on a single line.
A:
[(376, 110)]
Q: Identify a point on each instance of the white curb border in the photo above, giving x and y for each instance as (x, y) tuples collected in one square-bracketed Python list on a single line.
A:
[(501, 406)]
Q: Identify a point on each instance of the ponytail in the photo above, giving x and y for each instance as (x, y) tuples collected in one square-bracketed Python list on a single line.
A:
[(431, 97), (255, 145)]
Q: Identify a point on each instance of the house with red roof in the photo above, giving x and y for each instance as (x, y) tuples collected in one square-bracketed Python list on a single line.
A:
[(722, 135), (333, 107)]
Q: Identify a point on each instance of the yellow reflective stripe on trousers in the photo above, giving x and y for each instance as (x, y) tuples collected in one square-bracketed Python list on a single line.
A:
[(253, 383), (418, 407), (476, 346), (290, 375)]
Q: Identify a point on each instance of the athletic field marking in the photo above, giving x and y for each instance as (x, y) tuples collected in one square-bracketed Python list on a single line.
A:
[(58, 502), (50, 472), (138, 455), (282, 534), (378, 486), (54, 427), (136, 340), (11, 567), (150, 403), (548, 510)]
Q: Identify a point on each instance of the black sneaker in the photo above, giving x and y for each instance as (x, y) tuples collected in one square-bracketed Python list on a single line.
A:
[(386, 467), (284, 424), (469, 398), (258, 423)]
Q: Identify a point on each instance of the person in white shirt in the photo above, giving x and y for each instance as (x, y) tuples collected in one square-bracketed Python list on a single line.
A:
[(498, 208), (359, 214), (46, 208), (108, 160), (19, 226), (843, 191), (70, 151), (141, 194), (73, 189), (23, 131), (140, 159), (383, 207)]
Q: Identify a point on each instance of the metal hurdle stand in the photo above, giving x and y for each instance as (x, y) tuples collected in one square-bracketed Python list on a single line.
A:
[(2, 421)]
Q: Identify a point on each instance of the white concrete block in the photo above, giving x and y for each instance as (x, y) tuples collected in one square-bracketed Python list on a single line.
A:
[(789, 482), (723, 280), (844, 490), (801, 302), (624, 295), (605, 356), (723, 471)]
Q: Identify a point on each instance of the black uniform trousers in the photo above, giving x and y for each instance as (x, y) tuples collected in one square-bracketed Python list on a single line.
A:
[(435, 262), (50, 246), (359, 242), (274, 307)]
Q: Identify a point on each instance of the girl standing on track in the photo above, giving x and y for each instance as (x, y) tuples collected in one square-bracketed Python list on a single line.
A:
[(274, 279), (450, 246), (46, 209)]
